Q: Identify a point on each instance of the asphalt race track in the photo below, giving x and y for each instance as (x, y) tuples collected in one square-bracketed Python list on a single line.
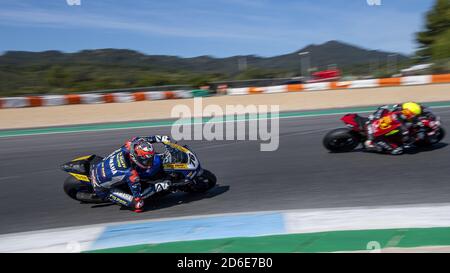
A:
[(300, 174)]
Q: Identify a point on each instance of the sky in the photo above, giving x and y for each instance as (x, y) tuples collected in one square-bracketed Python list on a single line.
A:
[(219, 28)]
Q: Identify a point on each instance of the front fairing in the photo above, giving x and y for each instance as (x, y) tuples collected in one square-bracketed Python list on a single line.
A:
[(181, 160)]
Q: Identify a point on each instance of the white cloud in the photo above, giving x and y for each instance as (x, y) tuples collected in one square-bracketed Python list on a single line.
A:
[(258, 23), (41, 18)]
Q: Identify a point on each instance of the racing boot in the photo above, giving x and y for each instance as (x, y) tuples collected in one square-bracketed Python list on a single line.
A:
[(368, 144), (371, 146), (397, 151)]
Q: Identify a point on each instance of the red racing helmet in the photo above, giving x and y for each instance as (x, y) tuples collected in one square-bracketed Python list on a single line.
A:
[(142, 153)]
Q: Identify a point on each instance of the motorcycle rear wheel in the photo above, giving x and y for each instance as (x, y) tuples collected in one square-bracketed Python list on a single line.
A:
[(341, 140), (79, 191)]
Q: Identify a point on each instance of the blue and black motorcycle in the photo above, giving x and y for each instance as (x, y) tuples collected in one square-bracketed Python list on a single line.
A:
[(179, 162)]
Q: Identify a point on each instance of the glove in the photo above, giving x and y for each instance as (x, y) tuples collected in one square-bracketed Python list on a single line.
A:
[(435, 124), (138, 204), (159, 138)]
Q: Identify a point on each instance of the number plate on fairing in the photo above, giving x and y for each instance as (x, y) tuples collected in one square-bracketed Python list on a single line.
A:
[(191, 162)]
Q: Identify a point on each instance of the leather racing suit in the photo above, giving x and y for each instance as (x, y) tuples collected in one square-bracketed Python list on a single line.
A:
[(385, 123), (117, 169)]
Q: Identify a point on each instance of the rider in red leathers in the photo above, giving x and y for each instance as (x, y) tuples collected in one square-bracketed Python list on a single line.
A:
[(385, 127)]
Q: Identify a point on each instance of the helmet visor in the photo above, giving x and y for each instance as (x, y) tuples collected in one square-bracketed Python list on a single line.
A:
[(143, 154), (407, 113)]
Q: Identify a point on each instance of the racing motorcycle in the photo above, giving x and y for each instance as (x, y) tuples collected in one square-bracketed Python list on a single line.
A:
[(179, 162), (426, 132)]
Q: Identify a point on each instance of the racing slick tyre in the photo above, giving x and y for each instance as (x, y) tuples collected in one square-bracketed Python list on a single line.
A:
[(79, 191), (206, 181), (341, 140)]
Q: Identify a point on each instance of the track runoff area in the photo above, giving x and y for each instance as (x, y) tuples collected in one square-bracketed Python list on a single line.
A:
[(278, 200)]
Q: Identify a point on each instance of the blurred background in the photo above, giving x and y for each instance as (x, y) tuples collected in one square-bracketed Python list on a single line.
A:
[(58, 47), (207, 47)]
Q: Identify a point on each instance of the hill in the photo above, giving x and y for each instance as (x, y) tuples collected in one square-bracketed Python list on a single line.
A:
[(55, 71)]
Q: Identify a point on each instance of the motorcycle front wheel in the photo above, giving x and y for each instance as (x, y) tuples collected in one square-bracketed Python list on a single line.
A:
[(204, 182), (431, 140)]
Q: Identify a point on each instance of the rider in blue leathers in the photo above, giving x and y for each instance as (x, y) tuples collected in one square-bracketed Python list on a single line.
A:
[(135, 161)]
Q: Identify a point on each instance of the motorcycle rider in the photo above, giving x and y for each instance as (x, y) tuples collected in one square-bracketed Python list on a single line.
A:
[(426, 113), (419, 121), (136, 160), (404, 115)]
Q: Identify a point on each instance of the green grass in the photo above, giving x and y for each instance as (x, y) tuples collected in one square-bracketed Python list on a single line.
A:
[(310, 242)]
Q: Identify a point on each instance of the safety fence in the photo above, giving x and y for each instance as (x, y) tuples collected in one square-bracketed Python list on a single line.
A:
[(370, 83), (53, 100), (118, 97)]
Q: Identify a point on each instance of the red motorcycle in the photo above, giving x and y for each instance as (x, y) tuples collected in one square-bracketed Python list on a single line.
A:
[(427, 131)]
